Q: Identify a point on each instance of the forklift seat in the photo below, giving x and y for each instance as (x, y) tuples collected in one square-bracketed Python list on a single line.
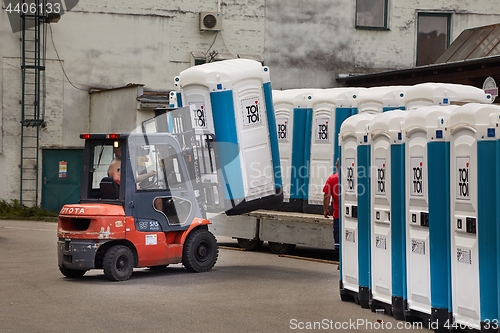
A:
[(109, 188)]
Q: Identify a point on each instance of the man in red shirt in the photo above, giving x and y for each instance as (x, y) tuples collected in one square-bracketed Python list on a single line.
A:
[(331, 192)]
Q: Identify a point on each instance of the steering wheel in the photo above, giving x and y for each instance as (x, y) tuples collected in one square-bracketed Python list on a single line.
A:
[(151, 182)]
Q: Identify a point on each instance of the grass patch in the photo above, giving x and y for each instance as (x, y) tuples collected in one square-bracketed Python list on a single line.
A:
[(16, 211)]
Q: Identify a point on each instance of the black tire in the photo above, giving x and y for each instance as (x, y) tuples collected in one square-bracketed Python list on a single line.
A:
[(118, 263), (200, 251), (281, 248), (250, 244), (71, 273)]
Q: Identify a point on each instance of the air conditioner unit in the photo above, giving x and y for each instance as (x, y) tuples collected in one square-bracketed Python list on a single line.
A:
[(210, 21)]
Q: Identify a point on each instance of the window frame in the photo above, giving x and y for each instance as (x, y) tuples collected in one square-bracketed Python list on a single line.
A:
[(367, 27), (446, 15)]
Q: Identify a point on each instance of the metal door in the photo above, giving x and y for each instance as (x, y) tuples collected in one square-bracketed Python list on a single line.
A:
[(61, 172)]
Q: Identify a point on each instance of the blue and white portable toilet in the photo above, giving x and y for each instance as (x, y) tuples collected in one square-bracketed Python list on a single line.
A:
[(427, 153), (291, 149), (293, 115), (474, 246), (381, 99), (432, 93), (355, 209), (387, 231), (323, 147), (235, 98)]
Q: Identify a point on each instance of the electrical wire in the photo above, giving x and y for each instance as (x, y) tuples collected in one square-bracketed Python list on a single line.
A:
[(215, 38), (60, 62)]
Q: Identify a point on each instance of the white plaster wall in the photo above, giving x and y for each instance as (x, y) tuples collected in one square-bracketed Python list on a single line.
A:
[(108, 44), (115, 111), (50, 134), (309, 43)]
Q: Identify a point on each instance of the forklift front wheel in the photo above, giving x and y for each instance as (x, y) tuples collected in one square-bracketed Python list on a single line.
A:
[(118, 263), (71, 273), (200, 251)]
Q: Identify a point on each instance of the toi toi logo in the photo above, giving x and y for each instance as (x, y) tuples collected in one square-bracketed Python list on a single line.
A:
[(44, 10)]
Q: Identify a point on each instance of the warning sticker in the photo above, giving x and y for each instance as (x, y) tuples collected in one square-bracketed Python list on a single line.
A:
[(151, 239), (251, 109), (417, 246), (464, 256), (381, 242), (350, 236), (63, 169)]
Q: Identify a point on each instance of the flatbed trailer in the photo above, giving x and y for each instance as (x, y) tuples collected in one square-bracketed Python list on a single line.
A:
[(282, 230)]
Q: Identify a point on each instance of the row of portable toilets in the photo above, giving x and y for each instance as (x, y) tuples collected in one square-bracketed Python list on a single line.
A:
[(419, 220), (418, 175)]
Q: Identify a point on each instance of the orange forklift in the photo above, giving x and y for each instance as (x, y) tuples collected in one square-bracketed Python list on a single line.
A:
[(147, 212)]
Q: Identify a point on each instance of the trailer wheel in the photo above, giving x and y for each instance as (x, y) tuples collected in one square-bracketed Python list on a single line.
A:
[(250, 244), (118, 263), (72, 273), (200, 251), (281, 248)]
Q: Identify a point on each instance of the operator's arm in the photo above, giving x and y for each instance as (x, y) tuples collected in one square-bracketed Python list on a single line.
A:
[(326, 203), (143, 176)]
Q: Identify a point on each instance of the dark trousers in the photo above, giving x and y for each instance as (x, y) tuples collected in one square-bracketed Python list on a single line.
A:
[(336, 232)]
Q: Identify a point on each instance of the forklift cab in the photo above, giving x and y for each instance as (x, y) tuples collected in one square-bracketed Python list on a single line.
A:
[(152, 184)]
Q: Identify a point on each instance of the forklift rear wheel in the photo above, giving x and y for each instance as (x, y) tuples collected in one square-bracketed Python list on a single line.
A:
[(71, 273), (200, 251), (281, 248), (250, 244), (118, 263)]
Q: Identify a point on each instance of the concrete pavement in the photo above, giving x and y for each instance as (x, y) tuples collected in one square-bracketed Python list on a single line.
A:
[(245, 292)]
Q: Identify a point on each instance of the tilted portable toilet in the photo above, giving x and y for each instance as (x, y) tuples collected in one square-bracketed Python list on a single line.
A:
[(233, 101), (432, 93), (387, 231), (355, 209), (427, 153), (474, 246)]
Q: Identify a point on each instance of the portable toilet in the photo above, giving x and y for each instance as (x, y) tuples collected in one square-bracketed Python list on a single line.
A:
[(233, 101), (293, 115), (284, 110), (387, 231), (473, 178), (432, 93), (427, 153), (381, 99), (322, 152), (355, 209)]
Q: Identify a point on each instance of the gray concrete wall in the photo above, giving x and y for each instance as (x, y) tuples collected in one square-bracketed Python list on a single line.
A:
[(308, 44)]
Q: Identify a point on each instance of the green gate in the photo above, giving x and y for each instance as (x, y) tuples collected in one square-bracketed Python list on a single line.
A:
[(61, 173)]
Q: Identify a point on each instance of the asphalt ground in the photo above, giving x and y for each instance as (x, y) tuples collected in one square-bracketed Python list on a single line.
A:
[(244, 292)]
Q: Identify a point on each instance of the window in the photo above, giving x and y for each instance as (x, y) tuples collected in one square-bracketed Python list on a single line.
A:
[(433, 37), (158, 167), (371, 14)]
